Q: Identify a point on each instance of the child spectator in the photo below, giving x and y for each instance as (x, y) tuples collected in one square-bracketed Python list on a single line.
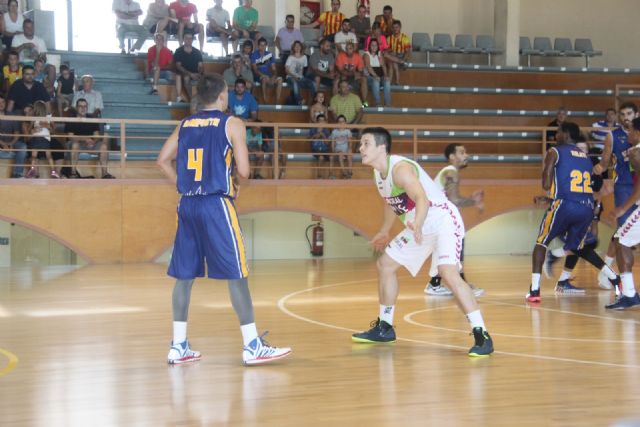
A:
[(40, 140), (254, 145), (319, 107), (66, 89), (320, 144), (38, 70), (12, 71), (49, 81), (342, 147)]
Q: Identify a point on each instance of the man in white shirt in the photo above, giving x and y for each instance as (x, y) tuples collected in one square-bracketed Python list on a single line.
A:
[(220, 26), (93, 97), (28, 45), (127, 13), (344, 35)]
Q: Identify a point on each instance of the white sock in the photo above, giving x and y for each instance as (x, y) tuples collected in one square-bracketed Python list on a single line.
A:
[(475, 319), (535, 281), (566, 275), (628, 288), (386, 313), (249, 332), (179, 332), (558, 252), (608, 271), (608, 260)]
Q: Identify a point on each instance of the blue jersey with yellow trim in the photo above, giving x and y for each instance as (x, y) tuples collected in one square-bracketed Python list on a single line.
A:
[(204, 162), (621, 167), (572, 175)]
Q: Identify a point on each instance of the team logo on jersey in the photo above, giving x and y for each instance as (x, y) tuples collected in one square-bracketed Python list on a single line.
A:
[(401, 204)]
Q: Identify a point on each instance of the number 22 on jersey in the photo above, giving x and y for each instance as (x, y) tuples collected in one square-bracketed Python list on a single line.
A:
[(195, 163), (580, 182)]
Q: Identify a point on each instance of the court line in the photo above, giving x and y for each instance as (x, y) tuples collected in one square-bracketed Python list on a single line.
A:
[(408, 318), (282, 306), (13, 361)]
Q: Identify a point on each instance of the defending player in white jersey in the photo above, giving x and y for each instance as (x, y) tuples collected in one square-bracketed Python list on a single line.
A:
[(433, 227)]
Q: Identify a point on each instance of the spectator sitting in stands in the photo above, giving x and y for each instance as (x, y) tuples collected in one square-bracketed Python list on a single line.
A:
[(245, 21), (254, 145), (343, 36), (322, 67), (38, 70), (11, 23), (12, 71), (341, 145), (183, 11), (329, 21), (241, 103), (295, 66), (386, 20), (361, 25), (318, 107), (84, 136), (10, 140), (287, 35), (93, 97), (40, 139), (28, 45), (66, 89), (127, 12), (376, 33), (159, 62), (268, 146), (220, 26), (264, 70), (609, 122), (320, 137), (26, 91), (561, 116), (189, 66), (158, 19), (49, 80), (350, 67), (346, 104), (247, 50), (376, 73), (236, 71), (399, 51)]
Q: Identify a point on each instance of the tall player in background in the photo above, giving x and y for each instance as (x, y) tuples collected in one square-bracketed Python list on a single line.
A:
[(616, 147), (208, 147), (628, 235), (448, 179), (433, 226), (567, 178)]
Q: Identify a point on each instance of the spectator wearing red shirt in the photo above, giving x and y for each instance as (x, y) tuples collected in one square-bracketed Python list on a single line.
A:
[(159, 62), (350, 66), (182, 10)]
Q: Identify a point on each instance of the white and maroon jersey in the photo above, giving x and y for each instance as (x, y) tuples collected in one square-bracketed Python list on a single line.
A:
[(398, 199)]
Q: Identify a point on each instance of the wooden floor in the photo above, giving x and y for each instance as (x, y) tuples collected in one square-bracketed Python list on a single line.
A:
[(87, 347)]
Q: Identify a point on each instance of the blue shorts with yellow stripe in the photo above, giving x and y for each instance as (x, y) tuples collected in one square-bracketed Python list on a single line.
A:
[(208, 230), (566, 218)]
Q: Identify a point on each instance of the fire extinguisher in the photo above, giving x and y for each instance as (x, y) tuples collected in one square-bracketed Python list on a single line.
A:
[(316, 244)]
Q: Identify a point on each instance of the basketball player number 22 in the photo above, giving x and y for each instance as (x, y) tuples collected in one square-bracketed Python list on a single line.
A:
[(195, 162), (580, 182)]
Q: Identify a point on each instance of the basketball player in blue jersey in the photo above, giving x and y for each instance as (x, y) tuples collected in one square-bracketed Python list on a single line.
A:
[(567, 178), (433, 226), (628, 235), (616, 147), (208, 147)]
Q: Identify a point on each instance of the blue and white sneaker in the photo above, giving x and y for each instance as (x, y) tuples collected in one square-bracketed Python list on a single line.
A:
[(259, 351), (182, 353), (624, 302), (565, 287)]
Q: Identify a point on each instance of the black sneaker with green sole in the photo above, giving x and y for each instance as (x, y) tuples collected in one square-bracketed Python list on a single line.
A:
[(484, 344), (380, 331)]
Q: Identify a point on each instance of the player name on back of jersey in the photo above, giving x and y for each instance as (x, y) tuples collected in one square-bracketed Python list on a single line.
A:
[(578, 153), (199, 123)]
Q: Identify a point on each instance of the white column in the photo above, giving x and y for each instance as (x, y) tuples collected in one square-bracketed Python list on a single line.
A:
[(283, 8), (506, 25)]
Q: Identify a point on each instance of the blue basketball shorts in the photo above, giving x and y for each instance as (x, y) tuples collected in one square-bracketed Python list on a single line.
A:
[(566, 218), (208, 231)]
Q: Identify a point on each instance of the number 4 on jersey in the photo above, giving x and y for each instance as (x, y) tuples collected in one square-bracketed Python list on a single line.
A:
[(195, 162)]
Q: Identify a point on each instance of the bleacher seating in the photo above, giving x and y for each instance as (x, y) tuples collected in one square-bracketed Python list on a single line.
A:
[(485, 44), (586, 48)]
